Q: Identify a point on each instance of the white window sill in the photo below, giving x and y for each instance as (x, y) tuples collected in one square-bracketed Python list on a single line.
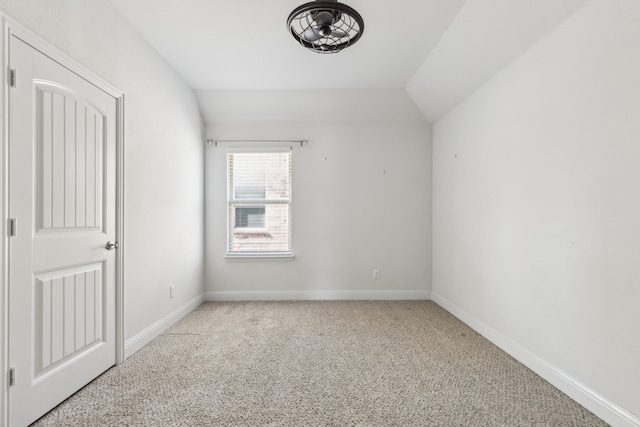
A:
[(286, 256)]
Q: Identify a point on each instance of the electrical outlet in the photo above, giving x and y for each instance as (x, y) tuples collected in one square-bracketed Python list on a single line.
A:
[(376, 273), (172, 291)]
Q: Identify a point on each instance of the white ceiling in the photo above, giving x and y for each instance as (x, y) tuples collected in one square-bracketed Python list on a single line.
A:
[(245, 44), (438, 50)]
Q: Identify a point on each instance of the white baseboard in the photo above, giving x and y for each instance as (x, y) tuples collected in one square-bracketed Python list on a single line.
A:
[(594, 402), (142, 338), (316, 295)]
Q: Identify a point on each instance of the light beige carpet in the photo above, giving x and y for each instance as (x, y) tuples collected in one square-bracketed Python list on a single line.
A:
[(324, 363)]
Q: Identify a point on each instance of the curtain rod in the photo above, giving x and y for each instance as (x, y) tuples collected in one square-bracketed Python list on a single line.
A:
[(215, 142)]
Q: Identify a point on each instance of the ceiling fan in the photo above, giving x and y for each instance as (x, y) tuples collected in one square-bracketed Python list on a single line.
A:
[(325, 26)]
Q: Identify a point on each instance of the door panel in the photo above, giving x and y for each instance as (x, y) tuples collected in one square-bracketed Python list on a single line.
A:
[(70, 161), (63, 197), (69, 307)]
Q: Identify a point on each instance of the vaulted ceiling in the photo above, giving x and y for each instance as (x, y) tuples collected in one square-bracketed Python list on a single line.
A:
[(431, 52)]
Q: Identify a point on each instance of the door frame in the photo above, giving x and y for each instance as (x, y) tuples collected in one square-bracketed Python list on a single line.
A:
[(10, 27)]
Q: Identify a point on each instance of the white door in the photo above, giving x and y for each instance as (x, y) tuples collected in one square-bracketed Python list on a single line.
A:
[(63, 199)]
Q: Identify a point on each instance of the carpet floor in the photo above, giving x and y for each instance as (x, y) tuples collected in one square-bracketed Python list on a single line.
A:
[(320, 363)]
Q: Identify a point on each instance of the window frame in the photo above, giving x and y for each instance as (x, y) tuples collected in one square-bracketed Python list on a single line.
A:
[(257, 202)]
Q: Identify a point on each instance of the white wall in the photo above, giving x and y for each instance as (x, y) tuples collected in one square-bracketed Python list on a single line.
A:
[(337, 106), (537, 204), (361, 200), (163, 152)]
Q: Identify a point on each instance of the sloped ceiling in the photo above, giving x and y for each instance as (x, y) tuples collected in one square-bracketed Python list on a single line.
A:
[(485, 36), (238, 55)]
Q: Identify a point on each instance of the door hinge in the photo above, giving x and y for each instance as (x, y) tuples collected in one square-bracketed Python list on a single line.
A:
[(12, 376), (12, 227), (12, 78)]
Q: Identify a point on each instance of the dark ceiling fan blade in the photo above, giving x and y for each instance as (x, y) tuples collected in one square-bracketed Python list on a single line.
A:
[(313, 35)]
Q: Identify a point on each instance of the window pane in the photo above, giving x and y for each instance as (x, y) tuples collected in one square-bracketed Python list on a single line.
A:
[(260, 175), (271, 236)]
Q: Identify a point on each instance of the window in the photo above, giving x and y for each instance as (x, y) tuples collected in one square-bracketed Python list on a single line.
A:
[(259, 202)]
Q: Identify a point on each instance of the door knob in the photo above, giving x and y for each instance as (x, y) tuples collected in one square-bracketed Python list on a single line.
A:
[(111, 245)]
